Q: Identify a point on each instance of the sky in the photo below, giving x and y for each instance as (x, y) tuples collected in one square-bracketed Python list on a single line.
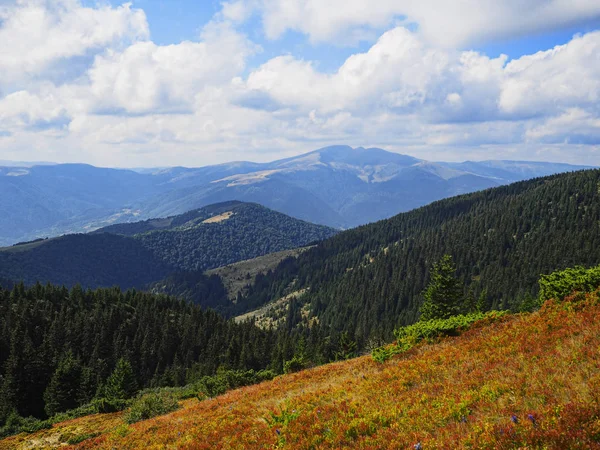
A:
[(195, 82)]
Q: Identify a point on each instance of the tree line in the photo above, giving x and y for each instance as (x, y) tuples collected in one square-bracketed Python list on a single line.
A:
[(61, 349)]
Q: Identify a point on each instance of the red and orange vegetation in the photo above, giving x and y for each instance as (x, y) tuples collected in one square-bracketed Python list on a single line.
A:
[(525, 381)]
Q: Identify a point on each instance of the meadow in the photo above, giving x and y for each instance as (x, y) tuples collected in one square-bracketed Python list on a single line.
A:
[(528, 380)]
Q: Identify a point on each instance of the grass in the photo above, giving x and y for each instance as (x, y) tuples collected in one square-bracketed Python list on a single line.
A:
[(524, 381), (237, 276)]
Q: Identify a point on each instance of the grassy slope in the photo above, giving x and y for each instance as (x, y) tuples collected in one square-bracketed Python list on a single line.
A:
[(235, 276), (459, 393)]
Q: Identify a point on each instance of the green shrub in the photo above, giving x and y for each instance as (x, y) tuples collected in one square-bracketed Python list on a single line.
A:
[(109, 405), (382, 354), (151, 405), (83, 410), (411, 335), (294, 365), (432, 329), (226, 380), (562, 283), (16, 424)]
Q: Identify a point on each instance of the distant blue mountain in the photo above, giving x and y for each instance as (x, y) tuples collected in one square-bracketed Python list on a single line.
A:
[(338, 186)]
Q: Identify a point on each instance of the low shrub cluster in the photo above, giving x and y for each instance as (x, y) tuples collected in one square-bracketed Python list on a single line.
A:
[(430, 330), (151, 405), (225, 380), (16, 424), (562, 283)]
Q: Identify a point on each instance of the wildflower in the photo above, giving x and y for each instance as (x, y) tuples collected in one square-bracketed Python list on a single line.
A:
[(463, 419), (418, 446), (277, 431), (514, 419), (532, 418)]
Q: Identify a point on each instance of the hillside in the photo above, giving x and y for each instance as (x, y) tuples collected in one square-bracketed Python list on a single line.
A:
[(134, 255), (221, 234), (89, 260), (338, 186), (368, 280), (237, 277), (526, 381)]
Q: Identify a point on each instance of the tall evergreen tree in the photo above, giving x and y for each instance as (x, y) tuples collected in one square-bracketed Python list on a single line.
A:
[(443, 295), (62, 393), (121, 385)]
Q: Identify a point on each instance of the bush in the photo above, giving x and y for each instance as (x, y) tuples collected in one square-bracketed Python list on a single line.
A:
[(432, 329), (108, 405), (151, 405), (294, 365), (411, 335), (559, 284), (83, 410), (382, 354), (226, 380), (16, 424)]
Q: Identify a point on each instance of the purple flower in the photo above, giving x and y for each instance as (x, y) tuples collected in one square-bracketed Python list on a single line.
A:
[(514, 419), (532, 418), (277, 431), (418, 446)]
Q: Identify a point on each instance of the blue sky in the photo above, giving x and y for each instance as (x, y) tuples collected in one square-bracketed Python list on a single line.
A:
[(174, 21), (156, 83)]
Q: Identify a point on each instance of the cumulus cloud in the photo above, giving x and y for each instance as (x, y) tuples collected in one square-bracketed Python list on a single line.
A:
[(36, 34), (148, 78), (440, 22), (402, 74), (550, 81), (131, 102)]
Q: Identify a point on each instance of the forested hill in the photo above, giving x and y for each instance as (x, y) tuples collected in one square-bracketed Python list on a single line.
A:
[(221, 234), (368, 280), (135, 255)]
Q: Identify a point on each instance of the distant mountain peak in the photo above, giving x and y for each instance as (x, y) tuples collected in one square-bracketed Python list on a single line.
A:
[(338, 185)]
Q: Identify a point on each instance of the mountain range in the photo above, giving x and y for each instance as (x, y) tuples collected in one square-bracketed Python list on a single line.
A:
[(337, 186)]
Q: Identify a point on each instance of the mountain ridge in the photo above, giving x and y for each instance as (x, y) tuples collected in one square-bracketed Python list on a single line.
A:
[(338, 186)]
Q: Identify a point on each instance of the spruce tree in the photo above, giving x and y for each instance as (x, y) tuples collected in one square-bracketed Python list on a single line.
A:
[(63, 389), (442, 297), (121, 384)]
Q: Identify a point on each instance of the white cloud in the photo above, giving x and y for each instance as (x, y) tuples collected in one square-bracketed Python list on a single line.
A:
[(442, 22), (550, 81), (148, 78), (132, 102), (574, 126), (36, 34)]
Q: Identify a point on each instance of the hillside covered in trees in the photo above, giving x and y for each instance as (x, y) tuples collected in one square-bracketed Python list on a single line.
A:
[(369, 280), (137, 254), (221, 234), (94, 350), (503, 381), (61, 349)]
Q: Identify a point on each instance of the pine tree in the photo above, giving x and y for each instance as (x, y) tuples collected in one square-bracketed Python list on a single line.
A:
[(62, 392), (121, 384), (346, 347), (443, 294)]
